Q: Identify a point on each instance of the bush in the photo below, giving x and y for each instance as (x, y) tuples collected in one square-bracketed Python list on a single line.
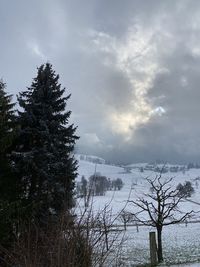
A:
[(185, 190), (70, 241), (58, 244)]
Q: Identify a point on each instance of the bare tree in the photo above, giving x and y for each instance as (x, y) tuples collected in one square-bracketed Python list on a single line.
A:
[(161, 208), (128, 217), (125, 217)]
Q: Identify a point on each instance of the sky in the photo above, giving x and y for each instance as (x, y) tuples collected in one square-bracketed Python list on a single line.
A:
[(132, 68)]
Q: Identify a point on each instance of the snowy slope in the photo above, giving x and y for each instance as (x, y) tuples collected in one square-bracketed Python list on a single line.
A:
[(135, 183), (181, 243)]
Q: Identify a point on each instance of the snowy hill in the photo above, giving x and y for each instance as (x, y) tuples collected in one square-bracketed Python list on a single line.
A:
[(89, 158), (134, 180), (181, 242)]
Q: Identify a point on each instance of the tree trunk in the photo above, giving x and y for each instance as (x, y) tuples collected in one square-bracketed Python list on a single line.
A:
[(159, 237), (125, 224)]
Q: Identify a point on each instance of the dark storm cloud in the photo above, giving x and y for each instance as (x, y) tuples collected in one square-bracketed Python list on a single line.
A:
[(132, 68)]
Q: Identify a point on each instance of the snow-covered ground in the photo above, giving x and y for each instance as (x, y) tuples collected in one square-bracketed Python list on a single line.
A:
[(185, 265), (181, 243)]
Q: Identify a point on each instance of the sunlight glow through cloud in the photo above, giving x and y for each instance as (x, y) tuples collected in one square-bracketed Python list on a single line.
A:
[(136, 58)]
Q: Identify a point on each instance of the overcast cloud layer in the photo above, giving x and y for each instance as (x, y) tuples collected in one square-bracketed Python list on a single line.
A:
[(133, 68)]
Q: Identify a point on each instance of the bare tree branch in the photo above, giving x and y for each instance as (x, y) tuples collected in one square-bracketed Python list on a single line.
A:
[(161, 206)]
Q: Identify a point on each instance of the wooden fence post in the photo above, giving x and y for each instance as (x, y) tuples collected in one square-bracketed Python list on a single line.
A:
[(153, 248)]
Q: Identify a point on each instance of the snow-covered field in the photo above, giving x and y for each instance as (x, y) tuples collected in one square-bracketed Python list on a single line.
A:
[(186, 265), (181, 243)]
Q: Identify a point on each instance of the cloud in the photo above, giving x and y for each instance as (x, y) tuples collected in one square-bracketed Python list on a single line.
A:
[(91, 139), (132, 68), (136, 57), (158, 111), (36, 50)]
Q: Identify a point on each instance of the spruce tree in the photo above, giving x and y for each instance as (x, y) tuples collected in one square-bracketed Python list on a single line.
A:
[(7, 119), (44, 152), (7, 133), (8, 184)]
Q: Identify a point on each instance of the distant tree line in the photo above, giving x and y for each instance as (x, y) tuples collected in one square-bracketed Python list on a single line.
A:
[(193, 166), (163, 168), (97, 185)]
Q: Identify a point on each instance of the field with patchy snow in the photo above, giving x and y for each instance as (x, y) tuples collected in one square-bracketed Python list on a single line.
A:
[(181, 243)]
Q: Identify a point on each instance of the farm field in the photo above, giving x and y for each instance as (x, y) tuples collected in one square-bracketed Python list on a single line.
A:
[(181, 243)]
